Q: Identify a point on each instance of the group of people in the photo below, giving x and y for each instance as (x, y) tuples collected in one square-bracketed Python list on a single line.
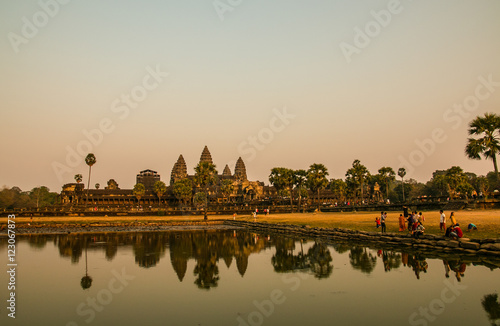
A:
[(414, 223)]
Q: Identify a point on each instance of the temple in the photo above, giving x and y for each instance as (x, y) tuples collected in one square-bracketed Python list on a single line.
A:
[(241, 190)]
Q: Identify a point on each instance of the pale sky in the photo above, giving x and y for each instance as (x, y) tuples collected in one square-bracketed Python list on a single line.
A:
[(309, 81)]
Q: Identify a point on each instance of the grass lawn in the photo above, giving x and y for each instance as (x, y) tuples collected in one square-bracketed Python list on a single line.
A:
[(487, 221)]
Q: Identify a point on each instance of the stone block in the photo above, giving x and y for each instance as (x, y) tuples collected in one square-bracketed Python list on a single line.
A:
[(470, 245), (491, 246)]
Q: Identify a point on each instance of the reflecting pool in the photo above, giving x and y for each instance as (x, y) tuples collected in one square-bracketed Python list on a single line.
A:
[(221, 277)]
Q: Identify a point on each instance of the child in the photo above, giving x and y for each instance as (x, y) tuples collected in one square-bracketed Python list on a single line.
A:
[(377, 222), (471, 227), (419, 230)]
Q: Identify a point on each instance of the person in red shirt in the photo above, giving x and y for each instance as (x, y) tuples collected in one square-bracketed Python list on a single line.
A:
[(456, 233)]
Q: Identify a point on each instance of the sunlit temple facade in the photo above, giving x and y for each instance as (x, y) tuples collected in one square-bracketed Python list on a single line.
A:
[(244, 190)]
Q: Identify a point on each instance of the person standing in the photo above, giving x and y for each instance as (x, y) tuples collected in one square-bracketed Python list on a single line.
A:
[(453, 220), (442, 221), (401, 222), (383, 216)]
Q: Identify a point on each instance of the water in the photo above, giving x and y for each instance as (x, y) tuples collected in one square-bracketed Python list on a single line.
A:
[(238, 278)]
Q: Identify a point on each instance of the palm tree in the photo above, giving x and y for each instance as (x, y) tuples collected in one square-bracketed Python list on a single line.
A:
[(78, 178), (488, 129), (226, 188), (388, 175), (89, 160), (97, 186), (160, 188), (205, 176), (300, 179), (358, 174), (281, 179), (183, 190), (402, 173), (316, 179), (139, 191), (339, 188)]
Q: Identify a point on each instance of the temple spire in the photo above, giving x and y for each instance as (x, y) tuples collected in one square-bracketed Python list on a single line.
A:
[(179, 171), (206, 156), (226, 172), (240, 171)]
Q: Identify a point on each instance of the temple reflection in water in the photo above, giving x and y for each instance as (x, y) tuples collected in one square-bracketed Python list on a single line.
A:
[(208, 247)]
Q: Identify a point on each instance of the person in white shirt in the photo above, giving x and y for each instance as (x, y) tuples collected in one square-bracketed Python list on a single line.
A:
[(442, 221)]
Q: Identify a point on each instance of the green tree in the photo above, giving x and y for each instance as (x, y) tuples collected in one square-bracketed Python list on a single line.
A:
[(160, 188), (300, 180), (42, 197), (358, 175), (482, 186), (316, 179), (89, 160), (458, 182), (339, 188), (387, 174), (438, 185), (485, 139), (200, 199), (226, 188), (402, 173), (139, 191), (78, 178), (183, 190), (283, 179), (205, 176)]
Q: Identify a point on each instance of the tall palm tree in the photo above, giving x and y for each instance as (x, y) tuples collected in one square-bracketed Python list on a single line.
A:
[(226, 188), (387, 173), (205, 176), (402, 173), (160, 188), (89, 160), (316, 179), (487, 128), (358, 174), (300, 178), (281, 179)]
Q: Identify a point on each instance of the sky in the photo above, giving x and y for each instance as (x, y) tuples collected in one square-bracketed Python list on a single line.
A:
[(278, 83)]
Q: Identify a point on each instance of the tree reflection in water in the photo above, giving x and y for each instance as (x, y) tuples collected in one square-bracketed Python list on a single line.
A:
[(362, 260), (86, 281), (208, 247), (492, 307), (317, 260)]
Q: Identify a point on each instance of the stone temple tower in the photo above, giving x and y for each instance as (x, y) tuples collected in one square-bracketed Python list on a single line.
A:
[(206, 156), (179, 171), (240, 171), (226, 172)]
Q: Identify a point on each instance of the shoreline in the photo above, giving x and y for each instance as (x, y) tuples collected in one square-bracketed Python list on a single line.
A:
[(488, 222)]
